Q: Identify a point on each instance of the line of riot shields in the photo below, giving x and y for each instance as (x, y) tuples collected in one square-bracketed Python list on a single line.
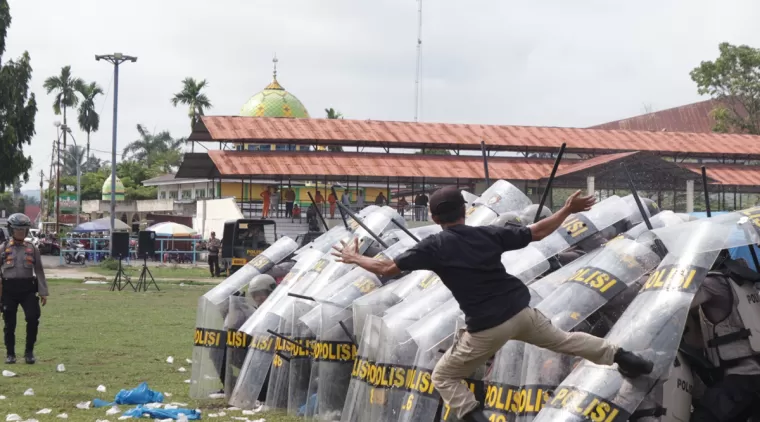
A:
[(334, 342)]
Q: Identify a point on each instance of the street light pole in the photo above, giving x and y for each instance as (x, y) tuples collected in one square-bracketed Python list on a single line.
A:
[(116, 59)]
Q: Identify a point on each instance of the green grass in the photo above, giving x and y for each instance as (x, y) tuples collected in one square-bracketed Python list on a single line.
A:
[(117, 339), (162, 271)]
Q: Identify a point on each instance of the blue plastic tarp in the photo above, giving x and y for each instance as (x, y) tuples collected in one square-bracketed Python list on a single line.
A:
[(141, 411), (736, 253), (138, 395)]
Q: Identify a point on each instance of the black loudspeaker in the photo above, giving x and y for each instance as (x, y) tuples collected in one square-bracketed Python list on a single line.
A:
[(119, 245), (146, 244)]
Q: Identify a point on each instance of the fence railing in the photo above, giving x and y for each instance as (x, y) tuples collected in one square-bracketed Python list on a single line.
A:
[(166, 250), (254, 209)]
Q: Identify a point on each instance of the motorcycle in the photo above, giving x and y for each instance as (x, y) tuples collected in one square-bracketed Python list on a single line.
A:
[(78, 257)]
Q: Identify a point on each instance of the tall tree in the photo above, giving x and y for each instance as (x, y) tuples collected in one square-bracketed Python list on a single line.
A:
[(333, 114), (89, 120), (733, 79), (17, 110), (192, 97), (151, 147), (65, 87), (74, 155)]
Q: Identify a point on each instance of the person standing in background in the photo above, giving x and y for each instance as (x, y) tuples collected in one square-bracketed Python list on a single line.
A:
[(346, 198), (359, 200), (213, 254), (267, 196), (331, 199), (275, 202), (319, 200), (402, 204), (380, 200), (290, 199)]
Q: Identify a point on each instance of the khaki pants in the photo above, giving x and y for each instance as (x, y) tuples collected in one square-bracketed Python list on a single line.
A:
[(530, 326)]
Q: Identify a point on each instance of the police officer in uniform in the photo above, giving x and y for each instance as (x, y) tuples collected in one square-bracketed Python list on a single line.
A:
[(729, 314), (23, 279)]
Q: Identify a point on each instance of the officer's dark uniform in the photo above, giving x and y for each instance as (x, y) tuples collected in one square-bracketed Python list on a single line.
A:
[(20, 262)]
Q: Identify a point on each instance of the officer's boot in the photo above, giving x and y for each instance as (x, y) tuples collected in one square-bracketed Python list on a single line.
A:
[(29, 357), (10, 358), (632, 365)]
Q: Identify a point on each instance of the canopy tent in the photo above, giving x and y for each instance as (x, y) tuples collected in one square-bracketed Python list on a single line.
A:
[(170, 229), (101, 225)]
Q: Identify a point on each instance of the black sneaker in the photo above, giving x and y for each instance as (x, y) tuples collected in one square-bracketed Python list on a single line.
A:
[(10, 359), (29, 358), (476, 415), (632, 365)]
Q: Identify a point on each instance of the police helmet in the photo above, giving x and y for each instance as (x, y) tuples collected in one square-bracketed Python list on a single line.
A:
[(507, 218), (528, 214), (261, 286), (19, 221)]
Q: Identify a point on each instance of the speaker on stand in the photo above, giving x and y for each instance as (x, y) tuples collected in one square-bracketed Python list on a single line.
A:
[(120, 250), (146, 246)]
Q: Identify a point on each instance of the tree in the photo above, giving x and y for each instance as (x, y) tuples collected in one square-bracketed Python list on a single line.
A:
[(150, 147), (65, 87), (192, 97), (89, 120), (93, 164), (332, 114), (18, 108), (74, 154), (734, 80)]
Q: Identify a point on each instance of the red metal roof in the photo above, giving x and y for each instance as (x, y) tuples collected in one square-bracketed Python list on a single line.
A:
[(592, 162), (454, 136), (730, 175), (309, 164), (695, 117)]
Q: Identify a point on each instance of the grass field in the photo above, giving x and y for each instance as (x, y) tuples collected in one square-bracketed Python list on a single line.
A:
[(117, 339)]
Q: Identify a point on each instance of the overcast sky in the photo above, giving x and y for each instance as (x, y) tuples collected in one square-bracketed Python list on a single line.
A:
[(545, 63)]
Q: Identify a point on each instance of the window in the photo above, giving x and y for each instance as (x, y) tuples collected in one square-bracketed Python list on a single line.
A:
[(200, 193), (187, 194), (173, 194), (162, 194)]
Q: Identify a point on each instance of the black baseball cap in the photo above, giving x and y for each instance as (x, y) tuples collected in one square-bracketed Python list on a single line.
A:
[(446, 200)]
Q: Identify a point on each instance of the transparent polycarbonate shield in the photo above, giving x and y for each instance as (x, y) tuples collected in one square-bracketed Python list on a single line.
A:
[(499, 198), (361, 396), (736, 229), (377, 302), (469, 198), (240, 309), (530, 262), (662, 219), (301, 362), (503, 382), (210, 337), (274, 254), (277, 389), (652, 326), (433, 334), (335, 354), (325, 242), (545, 286)]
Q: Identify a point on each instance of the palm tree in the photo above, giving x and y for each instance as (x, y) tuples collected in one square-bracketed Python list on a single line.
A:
[(89, 120), (74, 155), (65, 86), (92, 165), (192, 97), (332, 114), (150, 146)]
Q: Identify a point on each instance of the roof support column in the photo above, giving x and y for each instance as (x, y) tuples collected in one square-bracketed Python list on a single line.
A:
[(689, 196), (590, 185)]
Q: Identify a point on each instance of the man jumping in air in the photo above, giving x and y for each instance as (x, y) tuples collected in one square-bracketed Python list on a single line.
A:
[(468, 261)]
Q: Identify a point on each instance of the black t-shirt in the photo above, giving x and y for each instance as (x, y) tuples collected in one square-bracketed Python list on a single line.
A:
[(468, 261)]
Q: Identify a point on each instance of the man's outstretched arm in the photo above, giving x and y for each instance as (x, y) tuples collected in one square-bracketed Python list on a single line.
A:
[(350, 255), (574, 204)]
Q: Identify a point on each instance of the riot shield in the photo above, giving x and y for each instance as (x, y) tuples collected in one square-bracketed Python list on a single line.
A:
[(531, 261), (277, 390), (241, 309), (209, 342), (653, 323), (469, 198), (499, 198), (332, 236)]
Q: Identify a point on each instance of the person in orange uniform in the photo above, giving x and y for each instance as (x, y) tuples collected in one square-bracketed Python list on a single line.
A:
[(267, 196), (331, 199), (319, 200)]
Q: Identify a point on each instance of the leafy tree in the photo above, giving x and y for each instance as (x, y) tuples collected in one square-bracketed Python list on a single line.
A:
[(93, 164), (434, 151), (89, 120), (65, 86), (74, 154), (31, 200), (733, 79), (150, 147), (192, 97), (332, 114), (17, 110)]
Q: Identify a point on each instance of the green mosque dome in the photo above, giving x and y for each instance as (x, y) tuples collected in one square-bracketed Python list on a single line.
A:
[(106, 191), (274, 101)]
